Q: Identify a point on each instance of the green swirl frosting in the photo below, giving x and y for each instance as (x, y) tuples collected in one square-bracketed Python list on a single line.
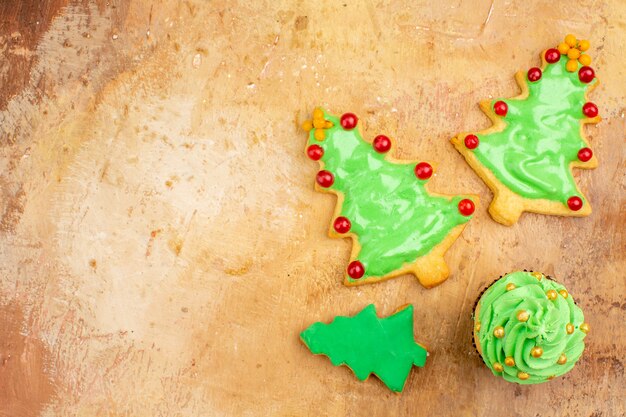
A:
[(541, 328)]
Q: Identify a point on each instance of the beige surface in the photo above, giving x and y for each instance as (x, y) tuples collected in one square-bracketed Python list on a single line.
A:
[(161, 242)]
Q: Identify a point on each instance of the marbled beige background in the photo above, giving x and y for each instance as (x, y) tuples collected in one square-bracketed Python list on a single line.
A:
[(161, 245)]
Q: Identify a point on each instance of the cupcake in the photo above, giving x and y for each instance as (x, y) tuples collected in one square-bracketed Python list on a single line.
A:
[(528, 329)]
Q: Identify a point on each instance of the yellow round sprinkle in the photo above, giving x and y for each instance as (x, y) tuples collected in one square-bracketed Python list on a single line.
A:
[(563, 48), (509, 361), (563, 293), (571, 65), (583, 45), (584, 327), (523, 375), (569, 328), (328, 124), (523, 315), (573, 53), (307, 125), (510, 286), (551, 294), (477, 327), (318, 113), (562, 359), (536, 352), (319, 123), (498, 367), (498, 332), (537, 275), (319, 134), (584, 59), (570, 40)]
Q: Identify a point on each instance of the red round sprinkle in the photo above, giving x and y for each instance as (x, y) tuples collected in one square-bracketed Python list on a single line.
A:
[(586, 74), (590, 109), (501, 108), (423, 170), (466, 207), (315, 152), (553, 55), (342, 225), (471, 141), (534, 74), (574, 203), (325, 178), (349, 121), (585, 154), (356, 270), (382, 144)]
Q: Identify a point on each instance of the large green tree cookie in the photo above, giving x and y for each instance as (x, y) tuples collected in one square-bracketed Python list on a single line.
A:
[(397, 226), (526, 157), (369, 345)]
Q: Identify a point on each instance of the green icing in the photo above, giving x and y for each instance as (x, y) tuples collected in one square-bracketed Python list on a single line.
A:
[(542, 136), (368, 344), (394, 218), (545, 328)]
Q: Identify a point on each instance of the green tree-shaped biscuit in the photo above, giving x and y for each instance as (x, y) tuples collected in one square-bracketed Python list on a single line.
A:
[(536, 139), (397, 226), (368, 344)]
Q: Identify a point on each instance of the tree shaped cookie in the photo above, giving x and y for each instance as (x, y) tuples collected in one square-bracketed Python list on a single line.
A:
[(369, 345), (526, 157), (397, 226)]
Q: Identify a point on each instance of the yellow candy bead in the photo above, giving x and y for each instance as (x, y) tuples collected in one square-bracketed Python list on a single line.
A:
[(551, 377), (523, 315), (569, 328), (328, 124), (319, 134), (498, 367), (307, 125), (510, 286), (509, 361), (477, 327), (563, 48), (523, 375), (551, 294), (572, 65), (570, 40), (536, 352), (573, 53), (537, 275), (562, 359), (318, 114), (564, 293), (498, 332), (583, 45), (584, 328), (319, 123), (584, 59)]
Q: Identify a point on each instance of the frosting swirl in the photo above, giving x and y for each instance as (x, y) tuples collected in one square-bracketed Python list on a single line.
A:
[(528, 328)]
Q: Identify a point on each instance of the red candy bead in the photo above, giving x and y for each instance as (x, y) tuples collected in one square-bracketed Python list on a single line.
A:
[(586, 74), (423, 170), (552, 55), (356, 270), (574, 203), (585, 154), (534, 74), (325, 178), (501, 108), (382, 144), (466, 207), (315, 152), (342, 225), (590, 109), (349, 121), (471, 141)]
